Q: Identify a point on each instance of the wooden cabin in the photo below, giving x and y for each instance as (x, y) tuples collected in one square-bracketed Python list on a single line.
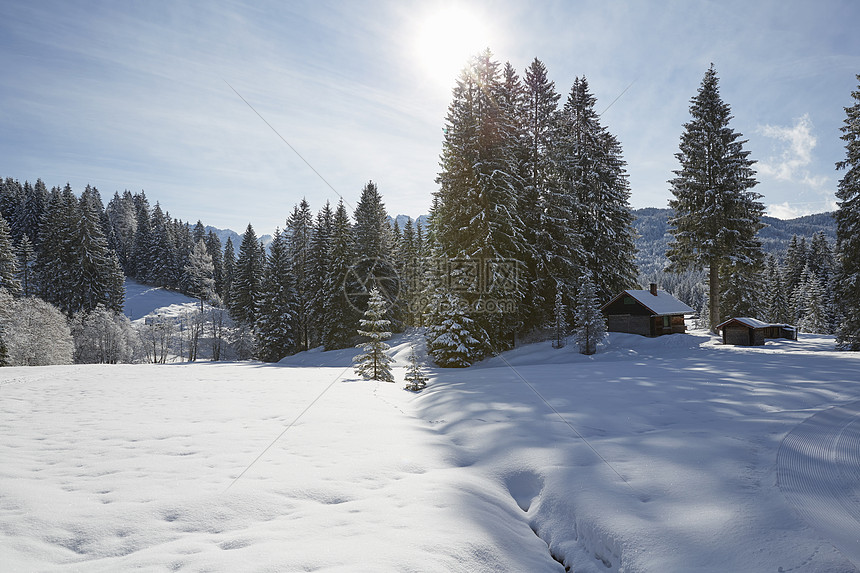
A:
[(649, 312), (745, 331)]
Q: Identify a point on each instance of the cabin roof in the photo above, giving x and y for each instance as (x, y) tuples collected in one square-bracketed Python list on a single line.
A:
[(660, 304)]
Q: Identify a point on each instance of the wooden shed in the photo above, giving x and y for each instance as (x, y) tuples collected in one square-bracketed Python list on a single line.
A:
[(745, 331), (649, 312)]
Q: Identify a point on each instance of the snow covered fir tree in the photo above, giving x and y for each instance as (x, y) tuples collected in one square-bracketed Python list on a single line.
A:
[(848, 229), (374, 363), (590, 324), (717, 216), (530, 197)]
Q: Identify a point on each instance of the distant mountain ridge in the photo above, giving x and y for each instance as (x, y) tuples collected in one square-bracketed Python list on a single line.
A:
[(652, 226)]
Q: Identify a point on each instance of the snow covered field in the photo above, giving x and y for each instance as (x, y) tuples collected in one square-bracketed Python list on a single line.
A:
[(667, 454)]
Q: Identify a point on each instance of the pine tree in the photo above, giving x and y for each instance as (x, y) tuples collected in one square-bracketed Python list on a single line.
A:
[(559, 320), (228, 271), (372, 233), (245, 289), (8, 261), (546, 227), (213, 247), (4, 352), (53, 266), (741, 291), (475, 211), (97, 278), (200, 274), (415, 379), (140, 260), (31, 210), (812, 307), (796, 259), (776, 308), (454, 339), (595, 187), (374, 362), (299, 232), (590, 329), (848, 230), (275, 327), (716, 215), (318, 271), (340, 315), (373, 241), (122, 215), (161, 253), (26, 259), (199, 232), (11, 197)]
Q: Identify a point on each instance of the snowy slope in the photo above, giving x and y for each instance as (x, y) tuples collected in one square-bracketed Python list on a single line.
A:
[(666, 454), (141, 300)]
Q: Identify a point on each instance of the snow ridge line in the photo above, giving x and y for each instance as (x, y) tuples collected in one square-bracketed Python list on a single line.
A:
[(290, 425), (818, 472), (641, 496)]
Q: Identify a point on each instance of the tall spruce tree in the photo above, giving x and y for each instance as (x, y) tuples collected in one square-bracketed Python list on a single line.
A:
[(717, 216), (318, 271), (245, 289), (476, 223), (848, 229), (775, 303), (53, 266), (592, 168), (340, 316), (546, 222), (275, 328), (299, 232), (213, 247), (228, 271), (97, 276), (374, 263), (26, 259), (796, 258)]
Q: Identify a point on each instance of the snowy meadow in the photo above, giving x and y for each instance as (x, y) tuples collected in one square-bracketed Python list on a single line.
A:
[(667, 454)]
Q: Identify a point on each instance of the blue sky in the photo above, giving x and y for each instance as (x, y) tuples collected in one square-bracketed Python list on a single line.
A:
[(135, 95)]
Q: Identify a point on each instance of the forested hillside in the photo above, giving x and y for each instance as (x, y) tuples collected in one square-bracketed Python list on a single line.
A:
[(652, 229)]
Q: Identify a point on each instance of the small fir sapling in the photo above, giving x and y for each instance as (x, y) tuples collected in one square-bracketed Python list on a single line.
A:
[(374, 363), (415, 379)]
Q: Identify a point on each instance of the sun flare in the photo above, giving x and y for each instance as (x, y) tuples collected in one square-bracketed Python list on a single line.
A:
[(446, 39)]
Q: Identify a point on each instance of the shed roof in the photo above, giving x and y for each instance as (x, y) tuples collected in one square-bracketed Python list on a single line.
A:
[(660, 304), (752, 323)]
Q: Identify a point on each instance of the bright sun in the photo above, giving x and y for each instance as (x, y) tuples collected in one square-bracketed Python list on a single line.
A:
[(446, 39)]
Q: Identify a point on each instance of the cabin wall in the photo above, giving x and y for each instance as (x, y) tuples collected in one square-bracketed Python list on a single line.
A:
[(743, 335), (738, 335), (629, 323)]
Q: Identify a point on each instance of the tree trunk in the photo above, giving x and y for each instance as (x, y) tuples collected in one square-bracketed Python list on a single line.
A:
[(714, 294)]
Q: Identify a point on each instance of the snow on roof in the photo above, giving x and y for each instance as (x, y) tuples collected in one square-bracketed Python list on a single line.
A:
[(751, 322), (662, 303)]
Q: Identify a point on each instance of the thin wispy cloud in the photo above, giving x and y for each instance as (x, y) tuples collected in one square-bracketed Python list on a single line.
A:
[(792, 164)]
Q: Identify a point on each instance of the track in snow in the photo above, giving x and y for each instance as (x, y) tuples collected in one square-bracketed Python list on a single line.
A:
[(818, 471)]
